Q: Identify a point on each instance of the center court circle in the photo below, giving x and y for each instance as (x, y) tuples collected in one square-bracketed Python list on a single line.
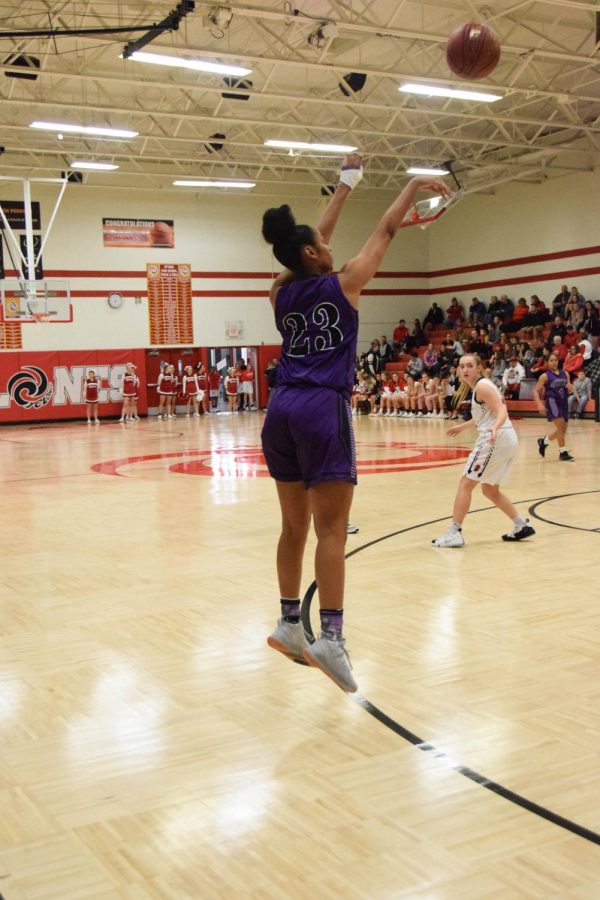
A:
[(249, 462)]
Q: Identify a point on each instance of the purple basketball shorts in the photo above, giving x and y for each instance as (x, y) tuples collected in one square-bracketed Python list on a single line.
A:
[(308, 436), (557, 408)]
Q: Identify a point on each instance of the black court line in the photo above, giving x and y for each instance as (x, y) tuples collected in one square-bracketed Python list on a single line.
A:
[(533, 512), (427, 747)]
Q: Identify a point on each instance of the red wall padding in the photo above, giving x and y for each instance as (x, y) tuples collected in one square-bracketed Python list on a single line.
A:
[(45, 386)]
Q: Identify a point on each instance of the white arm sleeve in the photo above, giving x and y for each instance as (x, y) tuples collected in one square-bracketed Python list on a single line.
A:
[(350, 177)]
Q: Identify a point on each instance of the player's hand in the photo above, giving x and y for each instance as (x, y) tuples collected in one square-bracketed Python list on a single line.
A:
[(455, 429), (542, 409), (352, 170), (436, 185), (353, 161), (492, 434)]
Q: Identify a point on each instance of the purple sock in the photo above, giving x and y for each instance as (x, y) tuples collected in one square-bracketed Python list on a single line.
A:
[(332, 623), (290, 610)]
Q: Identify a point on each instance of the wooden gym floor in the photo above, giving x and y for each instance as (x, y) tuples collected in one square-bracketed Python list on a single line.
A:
[(152, 747)]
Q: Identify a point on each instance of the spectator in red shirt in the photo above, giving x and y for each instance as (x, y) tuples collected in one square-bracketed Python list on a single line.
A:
[(559, 349), (455, 314), (571, 338), (573, 361), (399, 337)]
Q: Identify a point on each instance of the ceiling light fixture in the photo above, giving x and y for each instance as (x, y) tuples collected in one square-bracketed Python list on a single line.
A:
[(90, 130), (428, 90), (101, 167), (421, 170), (223, 184), (181, 62), (304, 145)]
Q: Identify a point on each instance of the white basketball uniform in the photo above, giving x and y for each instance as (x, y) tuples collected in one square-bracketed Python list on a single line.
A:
[(490, 462)]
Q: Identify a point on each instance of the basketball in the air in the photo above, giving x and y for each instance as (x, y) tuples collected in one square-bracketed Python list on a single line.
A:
[(473, 50)]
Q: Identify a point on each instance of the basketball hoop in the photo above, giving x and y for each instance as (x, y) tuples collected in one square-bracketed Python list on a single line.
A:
[(424, 212), (40, 317)]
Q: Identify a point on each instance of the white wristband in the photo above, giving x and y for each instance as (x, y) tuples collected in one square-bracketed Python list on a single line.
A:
[(350, 177)]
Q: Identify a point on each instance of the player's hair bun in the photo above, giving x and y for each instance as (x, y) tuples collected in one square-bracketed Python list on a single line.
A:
[(278, 224)]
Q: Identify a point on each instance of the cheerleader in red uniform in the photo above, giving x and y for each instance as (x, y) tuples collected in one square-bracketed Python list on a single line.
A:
[(91, 386), (135, 398), (231, 389), (129, 390), (191, 391), (167, 390), (203, 388)]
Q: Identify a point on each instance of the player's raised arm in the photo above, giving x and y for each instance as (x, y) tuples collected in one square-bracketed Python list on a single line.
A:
[(279, 225), (358, 271), (350, 175)]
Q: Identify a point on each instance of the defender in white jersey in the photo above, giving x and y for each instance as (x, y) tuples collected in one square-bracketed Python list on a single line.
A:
[(491, 459)]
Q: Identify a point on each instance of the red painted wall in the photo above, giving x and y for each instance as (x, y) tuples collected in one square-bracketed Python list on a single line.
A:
[(38, 387)]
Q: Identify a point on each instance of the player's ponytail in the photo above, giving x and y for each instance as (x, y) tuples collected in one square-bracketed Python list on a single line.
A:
[(279, 229)]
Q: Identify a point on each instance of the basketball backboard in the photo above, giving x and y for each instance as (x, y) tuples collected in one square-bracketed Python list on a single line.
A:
[(35, 301)]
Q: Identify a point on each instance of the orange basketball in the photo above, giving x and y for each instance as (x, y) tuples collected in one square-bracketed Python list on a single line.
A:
[(473, 50)]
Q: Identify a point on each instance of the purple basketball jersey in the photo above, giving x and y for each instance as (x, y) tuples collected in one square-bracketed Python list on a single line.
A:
[(319, 327), (557, 395)]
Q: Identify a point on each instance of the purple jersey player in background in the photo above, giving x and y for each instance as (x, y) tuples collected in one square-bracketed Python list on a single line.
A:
[(307, 436), (557, 387)]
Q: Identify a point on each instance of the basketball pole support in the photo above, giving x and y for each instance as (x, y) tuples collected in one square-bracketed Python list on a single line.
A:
[(30, 260)]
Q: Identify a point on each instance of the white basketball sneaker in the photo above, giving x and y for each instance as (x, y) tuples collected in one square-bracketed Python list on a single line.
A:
[(452, 537)]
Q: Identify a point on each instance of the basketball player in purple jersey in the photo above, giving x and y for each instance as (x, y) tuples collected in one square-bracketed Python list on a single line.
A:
[(557, 386), (307, 436)]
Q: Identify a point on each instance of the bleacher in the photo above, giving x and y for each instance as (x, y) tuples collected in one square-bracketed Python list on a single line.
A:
[(519, 407)]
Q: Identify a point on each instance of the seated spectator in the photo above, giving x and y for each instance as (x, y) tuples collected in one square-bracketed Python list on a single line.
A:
[(445, 392), (414, 366), (519, 317), (413, 399), (591, 319), (541, 363), (495, 308), (454, 346), (391, 395), (498, 366), (507, 308), (559, 349), (399, 337), (431, 395), (512, 378), (538, 313), (455, 314), (494, 330), (582, 392), (417, 336), (571, 338), (579, 298), (586, 347), (527, 359), (477, 311), (477, 343), (375, 393), (361, 393), (560, 301), (573, 360), (573, 313), (460, 402), (385, 350), (433, 318), (445, 360), (558, 328), (430, 360)]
